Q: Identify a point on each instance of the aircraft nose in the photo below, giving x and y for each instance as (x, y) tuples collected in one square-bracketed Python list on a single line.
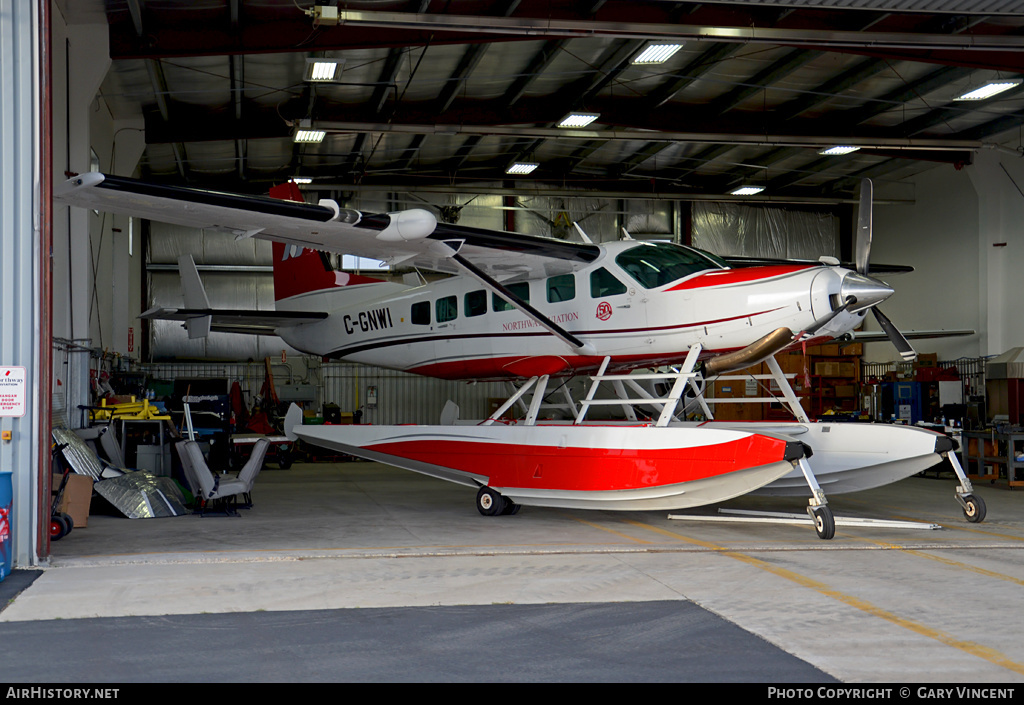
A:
[(867, 290)]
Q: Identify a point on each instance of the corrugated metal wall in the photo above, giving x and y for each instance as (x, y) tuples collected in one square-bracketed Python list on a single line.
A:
[(239, 279), (401, 397)]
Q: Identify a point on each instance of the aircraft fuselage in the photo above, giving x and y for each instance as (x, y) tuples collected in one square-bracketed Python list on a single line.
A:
[(456, 328)]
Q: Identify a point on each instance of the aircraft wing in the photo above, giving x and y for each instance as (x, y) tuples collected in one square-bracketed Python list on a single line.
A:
[(232, 321), (873, 268), (872, 336), (412, 237)]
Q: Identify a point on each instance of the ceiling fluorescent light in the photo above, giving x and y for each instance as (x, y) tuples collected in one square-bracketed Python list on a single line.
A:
[(838, 149), (322, 70), (989, 90), (578, 119), (302, 179), (747, 190), (521, 168), (309, 136), (656, 53)]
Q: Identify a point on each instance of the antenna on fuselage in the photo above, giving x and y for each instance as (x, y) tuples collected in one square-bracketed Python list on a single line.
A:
[(626, 235), (582, 234)]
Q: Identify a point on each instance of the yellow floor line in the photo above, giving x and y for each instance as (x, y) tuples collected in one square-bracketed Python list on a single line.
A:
[(960, 527), (950, 562), (611, 531), (969, 647)]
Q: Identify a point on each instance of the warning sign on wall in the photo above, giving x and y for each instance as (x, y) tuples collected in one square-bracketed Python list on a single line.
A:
[(12, 391)]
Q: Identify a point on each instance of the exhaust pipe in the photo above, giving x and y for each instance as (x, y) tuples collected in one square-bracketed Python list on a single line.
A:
[(756, 352)]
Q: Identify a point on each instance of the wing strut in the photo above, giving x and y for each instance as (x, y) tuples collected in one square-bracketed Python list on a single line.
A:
[(496, 286)]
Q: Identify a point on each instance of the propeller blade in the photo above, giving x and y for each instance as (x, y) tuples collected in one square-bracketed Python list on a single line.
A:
[(864, 216), (903, 346)]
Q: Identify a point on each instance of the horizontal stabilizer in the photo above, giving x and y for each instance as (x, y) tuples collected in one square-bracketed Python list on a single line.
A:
[(237, 321)]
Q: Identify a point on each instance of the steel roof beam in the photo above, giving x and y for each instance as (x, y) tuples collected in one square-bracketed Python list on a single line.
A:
[(894, 99), (549, 26), (470, 59), (893, 141), (410, 152), (462, 154), (648, 151), (159, 84), (792, 61), (538, 64), (997, 126), (938, 116), (236, 67), (703, 157), (689, 73), (829, 89), (135, 10), (365, 29)]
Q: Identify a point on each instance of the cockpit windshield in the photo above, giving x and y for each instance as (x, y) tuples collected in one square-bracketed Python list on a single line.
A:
[(654, 264)]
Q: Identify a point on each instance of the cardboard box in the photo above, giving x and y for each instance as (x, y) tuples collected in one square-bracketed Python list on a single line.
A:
[(846, 390), (851, 349), (738, 412), (835, 369), (791, 363), (829, 350), (927, 360), (77, 497)]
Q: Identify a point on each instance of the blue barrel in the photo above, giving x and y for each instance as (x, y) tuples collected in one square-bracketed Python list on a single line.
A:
[(6, 524)]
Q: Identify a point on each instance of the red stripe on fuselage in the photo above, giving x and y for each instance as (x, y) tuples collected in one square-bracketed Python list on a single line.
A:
[(739, 276), (587, 469), (499, 367)]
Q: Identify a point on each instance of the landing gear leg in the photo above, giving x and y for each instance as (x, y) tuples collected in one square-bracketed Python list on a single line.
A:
[(818, 509), (973, 505)]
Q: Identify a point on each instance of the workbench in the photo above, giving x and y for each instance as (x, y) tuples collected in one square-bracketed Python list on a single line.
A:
[(997, 451)]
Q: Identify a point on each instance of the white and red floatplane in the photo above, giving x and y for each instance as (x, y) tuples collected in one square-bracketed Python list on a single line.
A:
[(527, 308)]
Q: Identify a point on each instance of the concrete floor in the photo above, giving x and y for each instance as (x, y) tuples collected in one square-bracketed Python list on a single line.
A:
[(871, 605)]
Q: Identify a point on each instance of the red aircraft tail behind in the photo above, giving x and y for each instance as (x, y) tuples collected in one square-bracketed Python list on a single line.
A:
[(299, 271)]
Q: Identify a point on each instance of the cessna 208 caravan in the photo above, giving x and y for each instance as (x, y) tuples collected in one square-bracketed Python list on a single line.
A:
[(528, 308)]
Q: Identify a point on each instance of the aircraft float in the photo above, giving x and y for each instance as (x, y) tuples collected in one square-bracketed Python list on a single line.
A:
[(532, 309)]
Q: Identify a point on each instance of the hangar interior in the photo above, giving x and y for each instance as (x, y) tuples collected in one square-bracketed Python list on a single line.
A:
[(433, 104)]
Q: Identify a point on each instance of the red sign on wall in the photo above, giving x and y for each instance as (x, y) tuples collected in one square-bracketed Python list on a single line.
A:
[(12, 391)]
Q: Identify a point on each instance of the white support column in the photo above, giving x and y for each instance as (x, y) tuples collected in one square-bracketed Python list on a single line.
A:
[(80, 62), (20, 232)]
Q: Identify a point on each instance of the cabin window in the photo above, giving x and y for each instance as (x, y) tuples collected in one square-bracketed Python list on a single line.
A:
[(421, 313), (521, 290), (658, 264), (476, 303), (561, 288), (447, 309), (603, 283)]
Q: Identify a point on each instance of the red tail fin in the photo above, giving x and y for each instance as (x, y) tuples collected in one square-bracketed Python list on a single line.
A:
[(300, 271)]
